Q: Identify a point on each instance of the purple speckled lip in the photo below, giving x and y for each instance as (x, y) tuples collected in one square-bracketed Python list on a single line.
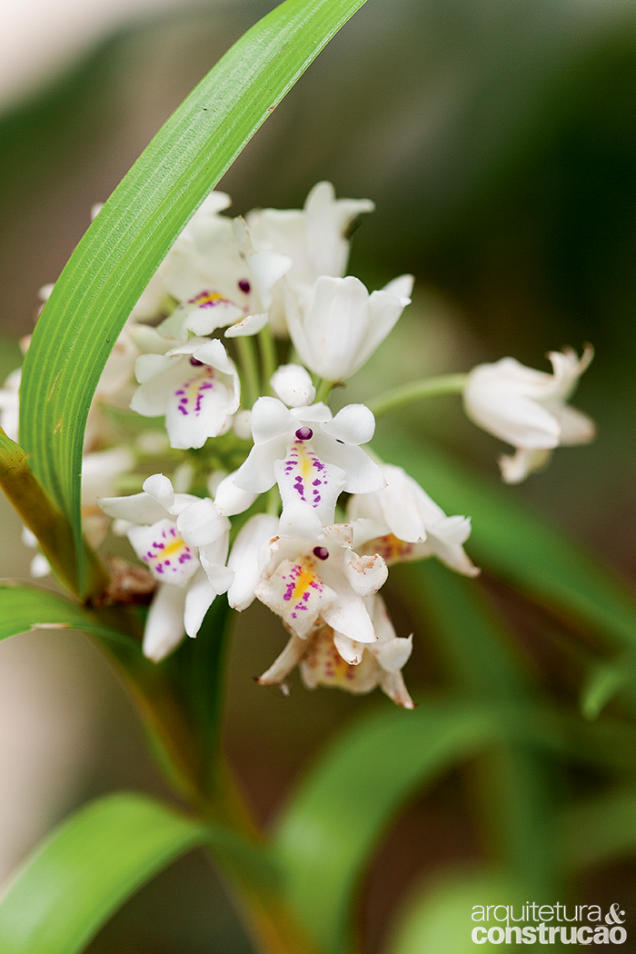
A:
[(304, 433), (206, 384), (300, 486)]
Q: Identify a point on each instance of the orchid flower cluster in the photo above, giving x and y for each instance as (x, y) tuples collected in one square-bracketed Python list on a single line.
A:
[(233, 350)]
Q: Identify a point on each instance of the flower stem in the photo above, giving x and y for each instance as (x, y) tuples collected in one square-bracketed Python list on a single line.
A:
[(269, 362), (323, 389), (249, 368), (407, 394)]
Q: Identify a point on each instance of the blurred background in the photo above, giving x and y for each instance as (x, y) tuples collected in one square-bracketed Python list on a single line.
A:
[(498, 141)]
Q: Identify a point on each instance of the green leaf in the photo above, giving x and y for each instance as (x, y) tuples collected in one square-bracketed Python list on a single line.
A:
[(86, 869), (600, 830), (132, 234), (196, 672), (438, 917), (333, 822), (45, 519), (482, 659), (510, 540), (28, 607), (475, 645), (603, 683)]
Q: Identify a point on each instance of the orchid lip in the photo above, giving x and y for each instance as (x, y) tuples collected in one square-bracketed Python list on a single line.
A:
[(304, 433)]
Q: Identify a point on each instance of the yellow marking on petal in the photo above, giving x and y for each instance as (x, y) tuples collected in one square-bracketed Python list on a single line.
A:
[(305, 579), (305, 463), (171, 548), (209, 298)]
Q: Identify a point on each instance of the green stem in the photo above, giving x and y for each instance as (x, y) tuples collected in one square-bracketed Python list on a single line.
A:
[(323, 389), (47, 522), (249, 369), (269, 362), (407, 394)]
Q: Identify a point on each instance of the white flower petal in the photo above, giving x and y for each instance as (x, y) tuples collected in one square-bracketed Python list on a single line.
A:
[(304, 479), (244, 558), (392, 683), (199, 599), (292, 384), (250, 325), (353, 424), (283, 665), (516, 467), (297, 594), (230, 499), (270, 419), (159, 487), (363, 474), (393, 654), (164, 625), (256, 474), (201, 523), (576, 427), (137, 508), (348, 615), (366, 574), (165, 553), (351, 651)]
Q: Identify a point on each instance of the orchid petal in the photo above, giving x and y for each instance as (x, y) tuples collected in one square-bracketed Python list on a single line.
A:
[(270, 419), (164, 626), (297, 594), (250, 325), (165, 553), (199, 599), (353, 424), (244, 558), (283, 665), (230, 499), (293, 385), (201, 523)]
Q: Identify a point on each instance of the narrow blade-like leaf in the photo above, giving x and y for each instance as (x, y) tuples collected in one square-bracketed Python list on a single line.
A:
[(28, 607), (334, 821), (86, 869)]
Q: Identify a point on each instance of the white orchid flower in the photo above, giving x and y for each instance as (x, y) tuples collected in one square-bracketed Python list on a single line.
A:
[(313, 458), (183, 541), (336, 325), (323, 580), (314, 238), (219, 278), (195, 386), (402, 523), (328, 658), (528, 409)]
